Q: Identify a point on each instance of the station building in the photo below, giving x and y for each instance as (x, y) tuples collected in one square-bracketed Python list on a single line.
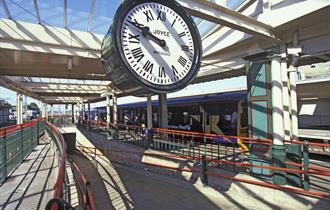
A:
[(57, 52)]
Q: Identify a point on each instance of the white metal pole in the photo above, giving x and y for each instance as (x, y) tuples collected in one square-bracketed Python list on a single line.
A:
[(286, 100), (277, 101), (108, 109), (19, 108), (114, 104)]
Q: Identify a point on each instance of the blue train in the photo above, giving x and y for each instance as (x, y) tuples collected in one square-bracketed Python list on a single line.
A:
[(218, 113)]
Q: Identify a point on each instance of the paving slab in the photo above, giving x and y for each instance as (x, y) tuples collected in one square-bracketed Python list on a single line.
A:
[(31, 184)]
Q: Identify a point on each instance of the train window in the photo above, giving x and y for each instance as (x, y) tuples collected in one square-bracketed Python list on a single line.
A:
[(207, 119), (201, 118)]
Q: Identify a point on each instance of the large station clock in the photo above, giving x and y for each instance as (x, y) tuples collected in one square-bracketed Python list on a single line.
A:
[(153, 46)]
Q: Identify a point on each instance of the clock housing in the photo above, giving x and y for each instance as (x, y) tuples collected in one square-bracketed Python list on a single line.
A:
[(137, 62)]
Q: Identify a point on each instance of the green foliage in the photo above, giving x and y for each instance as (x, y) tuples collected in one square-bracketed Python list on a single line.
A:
[(33, 106)]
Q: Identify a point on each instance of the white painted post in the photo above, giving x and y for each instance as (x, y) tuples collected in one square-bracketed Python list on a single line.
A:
[(46, 112), (286, 100), (114, 104), (293, 89), (52, 120), (108, 110), (294, 106), (277, 101), (19, 108), (89, 116)]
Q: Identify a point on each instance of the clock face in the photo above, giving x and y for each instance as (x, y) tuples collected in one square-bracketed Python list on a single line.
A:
[(157, 43)]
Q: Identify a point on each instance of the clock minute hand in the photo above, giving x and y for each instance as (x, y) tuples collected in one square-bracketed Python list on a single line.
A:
[(146, 32)]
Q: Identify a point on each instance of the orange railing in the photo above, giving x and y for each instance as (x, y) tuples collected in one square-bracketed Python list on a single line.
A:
[(203, 138), (60, 180), (84, 187), (92, 151)]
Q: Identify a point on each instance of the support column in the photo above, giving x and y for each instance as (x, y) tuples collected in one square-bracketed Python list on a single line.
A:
[(46, 112), (278, 155), (286, 100), (294, 106), (115, 108), (163, 115), (83, 111), (52, 113), (108, 110), (72, 113), (89, 116), (19, 108), (293, 89), (149, 121), (79, 113), (149, 113)]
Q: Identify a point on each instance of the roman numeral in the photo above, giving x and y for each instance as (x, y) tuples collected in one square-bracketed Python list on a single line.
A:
[(149, 15), (182, 61), (175, 71), (134, 38), (161, 15), (137, 54), (148, 66), (161, 72), (182, 34), (185, 48), (135, 22)]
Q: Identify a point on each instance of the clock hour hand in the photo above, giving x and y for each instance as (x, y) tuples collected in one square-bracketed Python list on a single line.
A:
[(146, 32)]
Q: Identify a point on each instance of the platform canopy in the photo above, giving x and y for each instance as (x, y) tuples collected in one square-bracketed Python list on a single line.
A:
[(50, 50)]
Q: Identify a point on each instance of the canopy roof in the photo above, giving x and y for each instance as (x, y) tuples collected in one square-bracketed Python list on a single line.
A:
[(50, 50)]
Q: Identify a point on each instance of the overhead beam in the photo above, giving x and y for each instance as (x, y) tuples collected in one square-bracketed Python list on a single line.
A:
[(43, 84), (5, 9), (48, 94), (91, 14), (220, 15), (4, 82), (37, 10)]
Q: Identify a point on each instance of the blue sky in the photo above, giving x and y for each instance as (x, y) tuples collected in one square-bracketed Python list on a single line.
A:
[(52, 12)]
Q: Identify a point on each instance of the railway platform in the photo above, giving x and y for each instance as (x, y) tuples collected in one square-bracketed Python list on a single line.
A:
[(231, 104)]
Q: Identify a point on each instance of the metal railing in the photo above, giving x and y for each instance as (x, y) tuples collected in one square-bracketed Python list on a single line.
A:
[(84, 187), (16, 142), (237, 154), (60, 197)]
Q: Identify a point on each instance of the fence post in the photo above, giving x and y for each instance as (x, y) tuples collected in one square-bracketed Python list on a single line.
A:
[(204, 170), (205, 146), (5, 152), (38, 131), (22, 142), (306, 182)]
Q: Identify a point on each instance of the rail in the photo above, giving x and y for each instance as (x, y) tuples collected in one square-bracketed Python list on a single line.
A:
[(238, 154), (203, 170), (16, 143), (59, 200), (84, 188)]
